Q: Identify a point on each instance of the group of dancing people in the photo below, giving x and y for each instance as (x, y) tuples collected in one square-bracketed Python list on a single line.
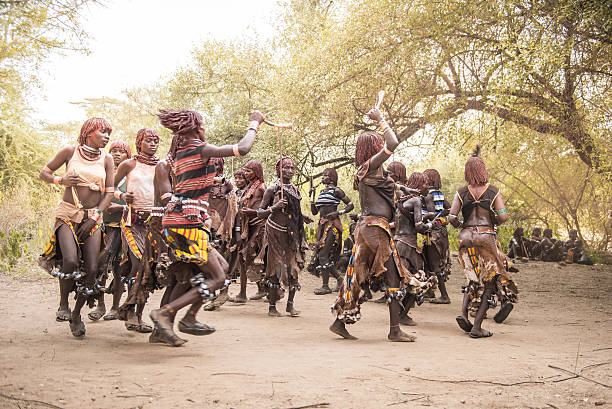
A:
[(176, 224)]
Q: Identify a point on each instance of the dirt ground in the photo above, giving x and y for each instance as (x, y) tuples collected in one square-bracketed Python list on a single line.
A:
[(563, 319)]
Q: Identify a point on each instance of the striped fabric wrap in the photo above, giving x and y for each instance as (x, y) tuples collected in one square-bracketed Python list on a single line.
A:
[(327, 198), (190, 245), (193, 180)]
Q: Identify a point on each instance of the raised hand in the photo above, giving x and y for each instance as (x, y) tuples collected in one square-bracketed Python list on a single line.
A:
[(375, 114), (257, 116)]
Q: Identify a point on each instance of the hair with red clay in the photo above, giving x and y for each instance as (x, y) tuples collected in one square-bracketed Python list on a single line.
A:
[(119, 144), (257, 169), (433, 177), (219, 165), (476, 171), (181, 123), (93, 125), (332, 174), (416, 180), (369, 143), (239, 172), (278, 164), (142, 135), (397, 171)]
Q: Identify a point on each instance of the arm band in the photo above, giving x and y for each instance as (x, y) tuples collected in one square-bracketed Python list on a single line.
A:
[(166, 195), (500, 211), (235, 148), (340, 212), (57, 180), (46, 169), (387, 151), (109, 189), (117, 194), (383, 125)]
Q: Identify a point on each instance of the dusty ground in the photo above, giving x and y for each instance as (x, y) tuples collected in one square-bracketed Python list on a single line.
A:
[(564, 319)]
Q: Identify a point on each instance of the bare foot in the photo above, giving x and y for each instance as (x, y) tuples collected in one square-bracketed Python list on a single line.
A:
[(406, 320), (480, 333), (339, 328), (323, 290), (292, 311), (77, 327), (397, 335), (273, 312)]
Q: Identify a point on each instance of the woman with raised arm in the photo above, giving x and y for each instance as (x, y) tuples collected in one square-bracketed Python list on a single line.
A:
[(373, 254), (185, 221), (76, 234), (482, 208)]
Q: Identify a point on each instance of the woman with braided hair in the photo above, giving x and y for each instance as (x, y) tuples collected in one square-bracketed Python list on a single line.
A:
[(139, 172), (111, 256), (185, 221), (250, 230), (482, 208), (77, 238), (374, 261), (284, 243), (329, 230)]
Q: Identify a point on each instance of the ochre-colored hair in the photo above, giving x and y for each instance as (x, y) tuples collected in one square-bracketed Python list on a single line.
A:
[(416, 180), (433, 177), (239, 172), (181, 123), (278, 164), (476, 171), (257, 169), (142, 135), (369, 143), (93, 125), (397, 171), (121, 145), (333, 175), (219, 164)]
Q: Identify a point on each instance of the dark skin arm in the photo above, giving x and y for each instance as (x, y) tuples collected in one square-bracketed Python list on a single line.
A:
[(390, 140), (339, 193), (85, 228), (265, 209), (454, 211), (161, 185), (244, 145), (256, 201), (122, 171)]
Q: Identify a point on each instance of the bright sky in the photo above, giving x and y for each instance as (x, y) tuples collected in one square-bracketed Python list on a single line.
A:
[(136, 42)]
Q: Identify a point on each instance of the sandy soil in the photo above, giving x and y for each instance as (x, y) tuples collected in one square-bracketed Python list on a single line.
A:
[(564, 319)]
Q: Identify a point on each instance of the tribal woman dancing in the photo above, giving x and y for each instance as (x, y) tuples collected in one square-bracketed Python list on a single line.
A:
[(250, 230), (76, 240), (436, 248), (111, 256), (329, 230), (482, 208), (374, 254), (284, 243), (139, 173), (185, 221)]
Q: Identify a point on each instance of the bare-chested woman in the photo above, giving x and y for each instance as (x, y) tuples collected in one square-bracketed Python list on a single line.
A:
[(111, 256), (284, 243), (372, 256), (77, 235), (329, 230), (185, 218), (482, 208), (250, 235)]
